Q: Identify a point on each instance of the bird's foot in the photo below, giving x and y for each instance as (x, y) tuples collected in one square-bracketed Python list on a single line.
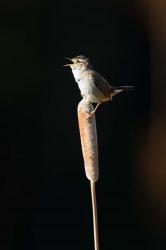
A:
[(91, 114)]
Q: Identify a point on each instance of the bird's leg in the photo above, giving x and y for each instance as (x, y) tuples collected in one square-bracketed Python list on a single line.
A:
[(93, 112)]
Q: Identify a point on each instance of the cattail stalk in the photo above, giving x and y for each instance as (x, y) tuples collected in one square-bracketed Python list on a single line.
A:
[(88, 135)]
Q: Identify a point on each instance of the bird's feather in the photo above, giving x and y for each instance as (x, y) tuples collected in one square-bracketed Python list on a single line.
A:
[(101, 83)]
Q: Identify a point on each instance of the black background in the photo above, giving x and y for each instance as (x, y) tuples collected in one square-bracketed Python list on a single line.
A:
[(45, 198)]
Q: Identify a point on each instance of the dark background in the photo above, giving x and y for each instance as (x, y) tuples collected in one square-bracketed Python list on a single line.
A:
[(45, 196)]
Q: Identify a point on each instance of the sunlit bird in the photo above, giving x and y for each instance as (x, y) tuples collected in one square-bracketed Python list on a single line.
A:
[(93, 86)]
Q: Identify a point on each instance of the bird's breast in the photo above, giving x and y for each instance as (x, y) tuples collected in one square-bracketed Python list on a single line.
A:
[(90, 91), (76, 74), (87, 87)]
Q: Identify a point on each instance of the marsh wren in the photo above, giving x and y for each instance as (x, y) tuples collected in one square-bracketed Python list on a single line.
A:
[(93, 86)]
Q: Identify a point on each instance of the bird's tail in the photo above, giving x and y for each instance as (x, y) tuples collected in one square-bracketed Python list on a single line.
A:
[(118, 89)]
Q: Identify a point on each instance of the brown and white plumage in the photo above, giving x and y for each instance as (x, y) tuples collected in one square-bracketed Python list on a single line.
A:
[(93, 86)]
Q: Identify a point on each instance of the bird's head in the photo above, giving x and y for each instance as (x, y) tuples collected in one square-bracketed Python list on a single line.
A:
[(79, 63)]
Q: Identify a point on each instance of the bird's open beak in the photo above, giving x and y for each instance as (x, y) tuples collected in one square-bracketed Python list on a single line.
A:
[(69, 64)]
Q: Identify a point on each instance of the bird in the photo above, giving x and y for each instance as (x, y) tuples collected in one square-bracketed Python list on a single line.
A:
[(93, 86)]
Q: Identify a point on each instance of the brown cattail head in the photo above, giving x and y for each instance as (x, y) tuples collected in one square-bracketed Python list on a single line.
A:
[(88, 134)]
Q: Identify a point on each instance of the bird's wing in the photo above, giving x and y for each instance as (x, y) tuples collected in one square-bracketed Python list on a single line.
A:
[(101, 83)]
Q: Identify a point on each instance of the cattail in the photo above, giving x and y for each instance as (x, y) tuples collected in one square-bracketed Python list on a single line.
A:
[(88, 135)]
